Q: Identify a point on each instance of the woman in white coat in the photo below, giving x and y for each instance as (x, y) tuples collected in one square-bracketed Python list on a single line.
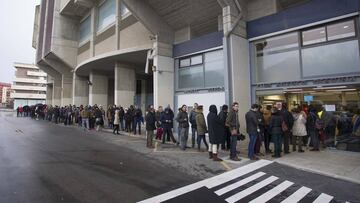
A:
[(116, 121), (299, 128)]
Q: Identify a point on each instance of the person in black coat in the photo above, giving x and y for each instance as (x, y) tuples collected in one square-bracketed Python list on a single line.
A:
[(150, 126), (225, 145), (216, 132), (166, 119), (275, 129)]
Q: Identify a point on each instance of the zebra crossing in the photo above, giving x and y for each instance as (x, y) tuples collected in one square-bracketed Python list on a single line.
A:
[(244, 184)]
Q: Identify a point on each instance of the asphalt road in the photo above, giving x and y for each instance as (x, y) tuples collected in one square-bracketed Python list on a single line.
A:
[(43, 162), (264, 181)]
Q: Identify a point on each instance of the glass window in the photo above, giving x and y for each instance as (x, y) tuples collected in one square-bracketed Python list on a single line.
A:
[(277, 59), (314, 36), (327, 59), (85, 29), (185, 62), (214, 69), (278, 43), (196, 60), (341, 30), (123, 9), (106, 15), (191, 77)]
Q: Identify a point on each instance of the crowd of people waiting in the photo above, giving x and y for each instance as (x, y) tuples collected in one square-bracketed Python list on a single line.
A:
[(302, 126)]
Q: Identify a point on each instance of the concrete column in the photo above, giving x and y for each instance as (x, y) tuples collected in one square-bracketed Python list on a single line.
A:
[(143, 95), (49, 94), (56, 95), (80, 90), (98, 89), (163, 75), (237, 63), (125, 84), (117, 24), (66, 91), (93, 31)]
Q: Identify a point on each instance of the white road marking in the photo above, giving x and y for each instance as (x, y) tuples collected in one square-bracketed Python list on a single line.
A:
[(298, 195), (273, 192), (323, 198), (211, 182), (239, 183), (226, 177), (251, 189)]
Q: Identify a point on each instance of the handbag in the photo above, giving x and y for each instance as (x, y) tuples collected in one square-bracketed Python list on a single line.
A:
[(284, 127), (241, 137)]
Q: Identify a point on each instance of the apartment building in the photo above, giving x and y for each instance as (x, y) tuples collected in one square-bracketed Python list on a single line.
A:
[(5, 90), (29, 85)]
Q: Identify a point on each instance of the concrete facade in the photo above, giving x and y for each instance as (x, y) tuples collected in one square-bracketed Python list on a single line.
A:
[(144, 43)]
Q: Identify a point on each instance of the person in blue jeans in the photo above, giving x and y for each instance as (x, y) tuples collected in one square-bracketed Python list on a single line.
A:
[(252, 128), (232, 122)]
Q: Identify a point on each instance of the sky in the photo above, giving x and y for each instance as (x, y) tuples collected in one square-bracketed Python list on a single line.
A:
[(16, 30)]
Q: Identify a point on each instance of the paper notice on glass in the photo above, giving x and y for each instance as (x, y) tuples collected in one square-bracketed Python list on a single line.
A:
[(329, 107)]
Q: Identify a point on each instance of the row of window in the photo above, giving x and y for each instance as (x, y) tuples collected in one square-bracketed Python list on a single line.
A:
[(106, 16), (291, 41), (281, 58), (201, 71)]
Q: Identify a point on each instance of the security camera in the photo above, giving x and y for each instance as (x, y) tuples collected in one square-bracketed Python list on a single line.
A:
[(89, 82)]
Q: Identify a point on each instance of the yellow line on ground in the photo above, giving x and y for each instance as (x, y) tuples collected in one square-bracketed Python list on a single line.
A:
[(226, 166)]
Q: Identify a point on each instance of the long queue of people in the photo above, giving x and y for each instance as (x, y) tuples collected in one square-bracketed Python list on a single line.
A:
[(302, 126), (219, 126)]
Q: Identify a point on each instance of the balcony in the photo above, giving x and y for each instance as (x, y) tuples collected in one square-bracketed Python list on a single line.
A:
[(76, 7), (32, 88), (39, 74), (27, 80), (27, 96)]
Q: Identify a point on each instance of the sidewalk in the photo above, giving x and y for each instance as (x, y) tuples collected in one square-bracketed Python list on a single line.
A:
[(331, 162), (339, 164)]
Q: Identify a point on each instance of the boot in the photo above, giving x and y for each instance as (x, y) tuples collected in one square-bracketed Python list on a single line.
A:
[(216, 158), (210, 155)]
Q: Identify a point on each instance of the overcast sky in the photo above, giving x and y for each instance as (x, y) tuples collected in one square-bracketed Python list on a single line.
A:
[(16, 24)]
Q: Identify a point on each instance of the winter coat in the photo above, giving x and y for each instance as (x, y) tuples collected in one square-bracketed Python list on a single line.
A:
[(166, 119), (275, 127), (200, 123), (215, 126), (183, 119), (116, 117), (232, 120), (150, 121), (223, 115), (287, 117), (252, 122), (299, 127), (84, 113), (267, 117), (192, 118), (121, 114)]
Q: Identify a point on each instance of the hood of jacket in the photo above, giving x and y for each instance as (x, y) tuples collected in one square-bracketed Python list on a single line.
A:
[(213, 109)]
